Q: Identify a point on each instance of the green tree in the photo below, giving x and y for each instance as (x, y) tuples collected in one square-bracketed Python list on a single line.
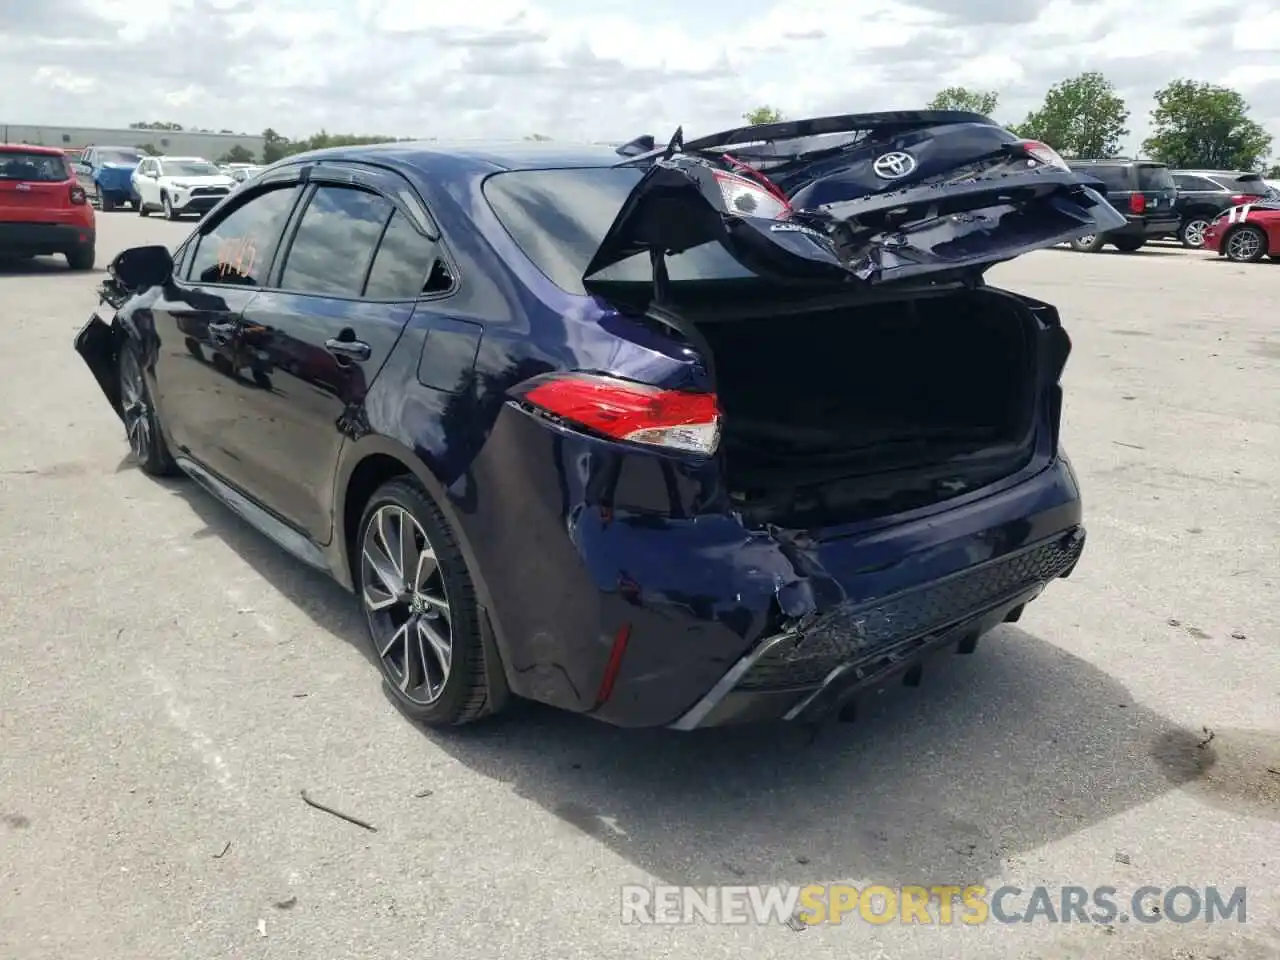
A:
[(148, 148), (540, 138), (763, 114), (962, 98), (1274, 172), (237, 154), (274, 146), (1081, 117), (1201, 125)]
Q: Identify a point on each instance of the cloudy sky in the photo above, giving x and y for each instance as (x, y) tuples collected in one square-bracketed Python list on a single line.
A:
[(598, 69)]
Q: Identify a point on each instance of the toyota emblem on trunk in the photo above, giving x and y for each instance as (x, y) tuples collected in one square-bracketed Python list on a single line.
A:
[(893, 166)]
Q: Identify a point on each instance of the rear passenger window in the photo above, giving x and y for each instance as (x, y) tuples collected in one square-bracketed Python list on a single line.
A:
[(334, 245), (1116, 178), (401, 263), (239, 249)]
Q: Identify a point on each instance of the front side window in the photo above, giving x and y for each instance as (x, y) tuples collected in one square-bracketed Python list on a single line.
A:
[(239, 248), (335, 241)]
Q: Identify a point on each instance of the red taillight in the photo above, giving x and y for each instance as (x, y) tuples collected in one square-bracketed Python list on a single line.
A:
[(1137, 203), (751, 198), (1044, 153), (1243, 198), (634, 412), (77, 195)]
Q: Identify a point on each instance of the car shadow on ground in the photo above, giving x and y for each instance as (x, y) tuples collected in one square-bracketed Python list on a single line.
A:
[(995, 756), (1147, 251), (41, 267)]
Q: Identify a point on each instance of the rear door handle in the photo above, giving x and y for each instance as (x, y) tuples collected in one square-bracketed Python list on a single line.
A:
[(356, 350)]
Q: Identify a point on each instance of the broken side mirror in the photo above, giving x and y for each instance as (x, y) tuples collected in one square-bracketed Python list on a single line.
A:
[(140, 268)]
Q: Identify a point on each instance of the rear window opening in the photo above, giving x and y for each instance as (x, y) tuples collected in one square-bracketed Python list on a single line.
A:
[(1152, 177), (33, 167)]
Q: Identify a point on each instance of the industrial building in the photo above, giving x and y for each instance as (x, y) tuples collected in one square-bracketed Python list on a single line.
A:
[(182, 143)]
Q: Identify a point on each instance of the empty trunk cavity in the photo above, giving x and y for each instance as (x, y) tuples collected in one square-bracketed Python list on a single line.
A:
[(857, 412)]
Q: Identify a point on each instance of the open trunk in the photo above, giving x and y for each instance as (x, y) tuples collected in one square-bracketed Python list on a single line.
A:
[(856, 412)]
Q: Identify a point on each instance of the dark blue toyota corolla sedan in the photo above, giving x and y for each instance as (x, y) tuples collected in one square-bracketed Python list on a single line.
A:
[(726, 430)]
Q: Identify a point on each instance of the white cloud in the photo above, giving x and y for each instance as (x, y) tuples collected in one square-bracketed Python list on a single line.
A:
[(609, 69)]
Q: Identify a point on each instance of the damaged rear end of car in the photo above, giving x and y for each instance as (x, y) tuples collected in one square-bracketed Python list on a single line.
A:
[(849, 441)]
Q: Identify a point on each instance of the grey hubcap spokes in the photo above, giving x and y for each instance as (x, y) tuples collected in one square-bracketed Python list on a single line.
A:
[(1243, 244), (1086, 239), (137, 419), (1195, 232), (405, 600)]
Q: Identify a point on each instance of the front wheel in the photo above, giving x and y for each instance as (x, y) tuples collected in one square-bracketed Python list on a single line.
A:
[(142, 208), (169, 212), (141, 422), (420, 608), (1089, 243), (1246, 244), (1191, 233)]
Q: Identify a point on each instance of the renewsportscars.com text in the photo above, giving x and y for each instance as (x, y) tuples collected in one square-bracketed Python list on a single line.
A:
[(942, 904)]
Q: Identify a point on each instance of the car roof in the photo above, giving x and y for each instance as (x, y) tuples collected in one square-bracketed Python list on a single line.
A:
[(479, 154), (31, 148), (167, 157), (1119, 162), (1222, 173)]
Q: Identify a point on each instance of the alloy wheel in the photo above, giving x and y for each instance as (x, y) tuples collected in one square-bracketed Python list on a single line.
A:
[(405, 600), (1193, 233), (134, 406), (1244, 245)]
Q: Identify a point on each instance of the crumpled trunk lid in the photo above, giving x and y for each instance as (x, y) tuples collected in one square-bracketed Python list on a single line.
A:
[(865, 199)]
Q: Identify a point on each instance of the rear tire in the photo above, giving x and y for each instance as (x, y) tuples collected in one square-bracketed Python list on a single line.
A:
[(1246, 244), (81, 258), (1129, 245), (141, 421), (1090, 243), (1191, 232), (417, 623), (108, 202)]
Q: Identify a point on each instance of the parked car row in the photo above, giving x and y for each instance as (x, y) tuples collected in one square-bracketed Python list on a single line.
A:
[(1158, 203), (116, 176)]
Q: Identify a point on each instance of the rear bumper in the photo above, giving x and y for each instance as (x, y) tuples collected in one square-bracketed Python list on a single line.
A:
[(643, 610), (43, 238), (809, 674), (1148, 226)]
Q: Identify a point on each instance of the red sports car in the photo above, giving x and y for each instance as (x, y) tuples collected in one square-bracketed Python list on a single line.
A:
[(1246, 233)]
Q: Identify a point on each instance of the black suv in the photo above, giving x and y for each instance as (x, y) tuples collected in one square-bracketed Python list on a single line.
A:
[(1203, 194), (1143, 191)]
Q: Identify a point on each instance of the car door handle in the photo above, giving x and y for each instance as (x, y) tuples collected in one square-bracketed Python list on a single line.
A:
[(356, 350)]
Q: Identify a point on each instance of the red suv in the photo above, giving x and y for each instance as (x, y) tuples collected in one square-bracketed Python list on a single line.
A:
[(43, 209)]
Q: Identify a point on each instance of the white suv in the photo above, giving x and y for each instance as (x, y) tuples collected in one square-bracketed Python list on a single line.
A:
[(179, 185)]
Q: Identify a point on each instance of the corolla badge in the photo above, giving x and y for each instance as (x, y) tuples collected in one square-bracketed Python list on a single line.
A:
[(893, 166)]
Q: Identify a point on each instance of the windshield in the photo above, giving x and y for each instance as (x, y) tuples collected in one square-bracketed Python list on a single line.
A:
[(1154, 178), (559, 217), (187, 168), (119, 156), (33, 167)]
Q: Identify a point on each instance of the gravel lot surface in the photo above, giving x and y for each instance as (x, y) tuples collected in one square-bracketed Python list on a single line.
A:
[(169, 682)]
